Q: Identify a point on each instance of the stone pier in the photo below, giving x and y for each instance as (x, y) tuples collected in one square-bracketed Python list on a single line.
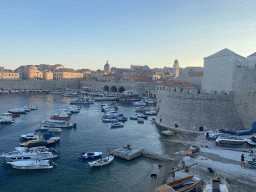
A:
[(130, 152)]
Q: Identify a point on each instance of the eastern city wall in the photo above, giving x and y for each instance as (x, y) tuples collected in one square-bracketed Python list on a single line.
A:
[(245, 95), (190, 111), (38, 84)]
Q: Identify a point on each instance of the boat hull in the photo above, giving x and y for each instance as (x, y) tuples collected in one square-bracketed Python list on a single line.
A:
[(101, 162)]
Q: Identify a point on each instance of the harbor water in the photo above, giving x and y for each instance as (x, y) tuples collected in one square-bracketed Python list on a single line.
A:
[(91, 134)]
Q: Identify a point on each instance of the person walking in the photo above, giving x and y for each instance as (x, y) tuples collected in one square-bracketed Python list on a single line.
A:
[(108, 152), (173, 174), (242, 160)]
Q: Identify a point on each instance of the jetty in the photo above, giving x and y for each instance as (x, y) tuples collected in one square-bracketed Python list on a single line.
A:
[(130, 152)]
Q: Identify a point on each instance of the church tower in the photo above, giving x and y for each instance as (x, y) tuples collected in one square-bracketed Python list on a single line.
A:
[(107, 67), (176, 69)]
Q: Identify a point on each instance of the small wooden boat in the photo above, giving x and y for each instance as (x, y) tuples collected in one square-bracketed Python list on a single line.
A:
[(89, 155), (188, 152), (185, 184), (140, 120), (101, 162), (217, 184)]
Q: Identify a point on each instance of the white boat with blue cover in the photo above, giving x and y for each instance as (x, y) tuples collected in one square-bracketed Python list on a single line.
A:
[(32, 164), (89, 155), (102, 162)]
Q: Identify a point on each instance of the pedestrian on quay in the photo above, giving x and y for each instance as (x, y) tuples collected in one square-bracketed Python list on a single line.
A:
[(242, 160), (173, 174)]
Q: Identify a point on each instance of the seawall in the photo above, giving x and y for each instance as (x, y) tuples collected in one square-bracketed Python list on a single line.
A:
[(38, 84)]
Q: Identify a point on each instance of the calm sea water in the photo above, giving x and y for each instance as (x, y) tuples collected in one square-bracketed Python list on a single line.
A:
[(71, 173)]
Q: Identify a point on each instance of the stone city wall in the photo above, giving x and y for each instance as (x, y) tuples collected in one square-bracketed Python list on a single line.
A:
[(245, 95), (137, 88), (190, 111), (38, 84)]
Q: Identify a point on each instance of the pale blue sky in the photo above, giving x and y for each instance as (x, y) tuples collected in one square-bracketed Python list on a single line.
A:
[(84, 34)]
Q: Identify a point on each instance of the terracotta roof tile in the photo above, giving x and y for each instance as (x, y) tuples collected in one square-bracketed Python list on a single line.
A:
[(196, 73), (140, 78), (181, 84)]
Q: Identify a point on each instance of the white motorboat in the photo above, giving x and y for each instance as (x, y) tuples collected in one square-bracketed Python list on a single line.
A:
[(153, 112), (17, 111), (25, 153), (50, 129), (102, 162), (110, 120), (90, 155), (228, 140), (134, 117), (139, 103), (6, 119), (29, 136), (116, 125), (32, 164), (58, 124)]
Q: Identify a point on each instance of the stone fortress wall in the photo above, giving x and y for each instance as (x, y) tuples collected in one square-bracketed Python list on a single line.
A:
[(231, 111), (38, 84), (245, 95), (190, 111)]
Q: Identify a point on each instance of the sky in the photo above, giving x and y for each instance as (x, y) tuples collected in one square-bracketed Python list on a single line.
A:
[(86, 33)]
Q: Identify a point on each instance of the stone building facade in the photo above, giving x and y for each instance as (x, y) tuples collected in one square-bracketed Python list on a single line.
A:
[(8, 74)]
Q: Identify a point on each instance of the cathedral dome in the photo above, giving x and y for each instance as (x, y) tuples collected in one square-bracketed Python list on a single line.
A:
[(107, 67)]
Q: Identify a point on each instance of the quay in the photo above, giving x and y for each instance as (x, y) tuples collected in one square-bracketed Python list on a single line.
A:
[(130, 152)]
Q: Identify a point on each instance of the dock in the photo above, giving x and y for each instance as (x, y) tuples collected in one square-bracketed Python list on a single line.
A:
[(130, 152)]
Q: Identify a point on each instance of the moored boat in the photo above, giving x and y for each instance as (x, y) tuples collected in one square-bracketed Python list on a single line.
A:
[(39, 142), (167, 133), (17, 111), (61, 116), (102, 162), (226, 140), (6, 119), (89, 155), (116, 125), (58, 124), (217, 184), (24, 153), (185, 184), (32, 164), (110, 120)]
